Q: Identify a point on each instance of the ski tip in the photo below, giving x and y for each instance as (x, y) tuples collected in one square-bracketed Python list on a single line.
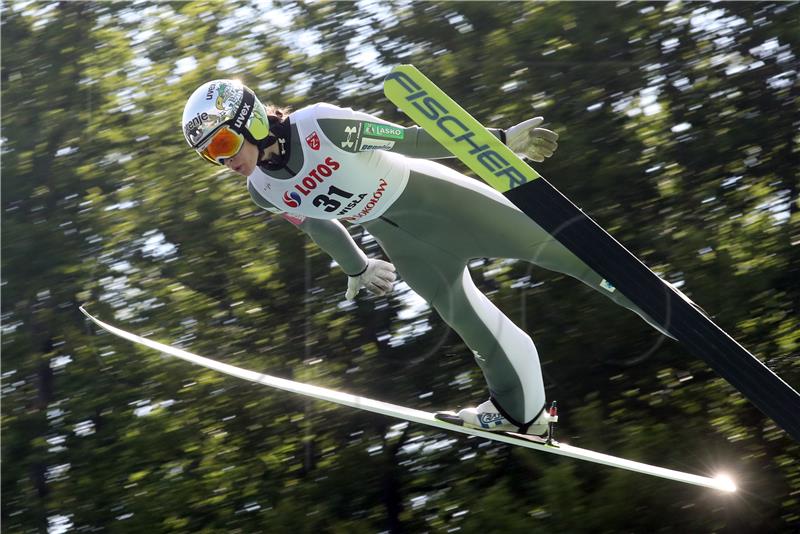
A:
[(88, 315)]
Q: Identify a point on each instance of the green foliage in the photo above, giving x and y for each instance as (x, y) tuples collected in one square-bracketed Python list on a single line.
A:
[(678, 126)]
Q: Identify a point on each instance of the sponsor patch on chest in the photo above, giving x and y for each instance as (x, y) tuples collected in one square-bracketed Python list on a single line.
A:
[(375, 144), (386, 131), (313, 141)]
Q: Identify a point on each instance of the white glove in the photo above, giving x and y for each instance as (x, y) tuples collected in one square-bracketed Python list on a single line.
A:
[(525, 139), (378, 278)]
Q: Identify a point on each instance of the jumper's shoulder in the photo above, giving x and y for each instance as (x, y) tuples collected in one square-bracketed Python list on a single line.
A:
[(323, 110), (260, 200)]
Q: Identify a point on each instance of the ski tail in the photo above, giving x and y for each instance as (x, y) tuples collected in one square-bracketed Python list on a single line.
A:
[(664, 304)]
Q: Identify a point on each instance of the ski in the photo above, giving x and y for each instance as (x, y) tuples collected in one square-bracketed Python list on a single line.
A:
[(417, 416), (497, 165)]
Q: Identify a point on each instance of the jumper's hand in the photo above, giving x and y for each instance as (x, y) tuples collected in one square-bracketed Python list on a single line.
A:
[(525, 139), (377, 277)]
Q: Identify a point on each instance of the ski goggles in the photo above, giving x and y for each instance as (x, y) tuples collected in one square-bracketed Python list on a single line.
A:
[(224, 144)]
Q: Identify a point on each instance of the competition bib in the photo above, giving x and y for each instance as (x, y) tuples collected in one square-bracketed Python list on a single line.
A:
[(334, 183)]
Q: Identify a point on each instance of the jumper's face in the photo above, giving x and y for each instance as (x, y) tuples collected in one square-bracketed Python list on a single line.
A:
[(244, 162)]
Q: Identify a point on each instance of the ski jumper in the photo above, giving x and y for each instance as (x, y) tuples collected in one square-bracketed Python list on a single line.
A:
[(431, 221)]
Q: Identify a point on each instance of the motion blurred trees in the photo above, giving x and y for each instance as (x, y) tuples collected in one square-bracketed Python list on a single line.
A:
[(678, 128)]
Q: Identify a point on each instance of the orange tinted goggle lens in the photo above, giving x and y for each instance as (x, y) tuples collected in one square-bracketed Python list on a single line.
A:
[(225, 144)]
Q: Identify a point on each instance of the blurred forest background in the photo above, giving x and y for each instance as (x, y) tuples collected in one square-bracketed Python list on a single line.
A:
[(679, 135)]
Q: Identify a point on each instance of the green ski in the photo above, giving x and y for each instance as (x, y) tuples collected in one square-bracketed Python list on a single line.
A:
[(489, 158)]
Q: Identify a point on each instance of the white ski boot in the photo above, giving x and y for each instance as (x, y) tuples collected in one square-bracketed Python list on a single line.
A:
[(486, 416)]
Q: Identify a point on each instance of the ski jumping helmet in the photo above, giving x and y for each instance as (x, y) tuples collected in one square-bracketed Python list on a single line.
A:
[(220, 115)]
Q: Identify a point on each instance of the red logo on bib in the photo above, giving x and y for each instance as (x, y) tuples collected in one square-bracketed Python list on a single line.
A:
[(313, 141)]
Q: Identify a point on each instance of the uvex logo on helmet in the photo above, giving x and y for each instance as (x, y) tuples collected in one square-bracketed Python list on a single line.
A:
[(242, 116)]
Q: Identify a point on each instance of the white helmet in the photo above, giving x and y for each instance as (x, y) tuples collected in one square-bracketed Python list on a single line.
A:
[(224, 102)]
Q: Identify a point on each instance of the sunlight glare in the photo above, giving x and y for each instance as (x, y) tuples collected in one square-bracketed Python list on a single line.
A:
[(725, 482)]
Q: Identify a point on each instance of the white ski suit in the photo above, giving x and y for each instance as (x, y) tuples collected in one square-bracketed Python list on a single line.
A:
[(430, 220)]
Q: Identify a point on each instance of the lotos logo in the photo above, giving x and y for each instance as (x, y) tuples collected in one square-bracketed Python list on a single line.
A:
[(316, 176), (292, 199), (243, 114), (313, 141)]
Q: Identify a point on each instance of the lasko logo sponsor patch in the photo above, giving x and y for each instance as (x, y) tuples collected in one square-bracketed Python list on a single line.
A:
[(313, 141), (386, 131), (376, 197), (454, 128), (310, 182)]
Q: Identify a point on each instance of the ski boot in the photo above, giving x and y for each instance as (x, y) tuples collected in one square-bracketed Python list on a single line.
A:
[(486, 416)]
